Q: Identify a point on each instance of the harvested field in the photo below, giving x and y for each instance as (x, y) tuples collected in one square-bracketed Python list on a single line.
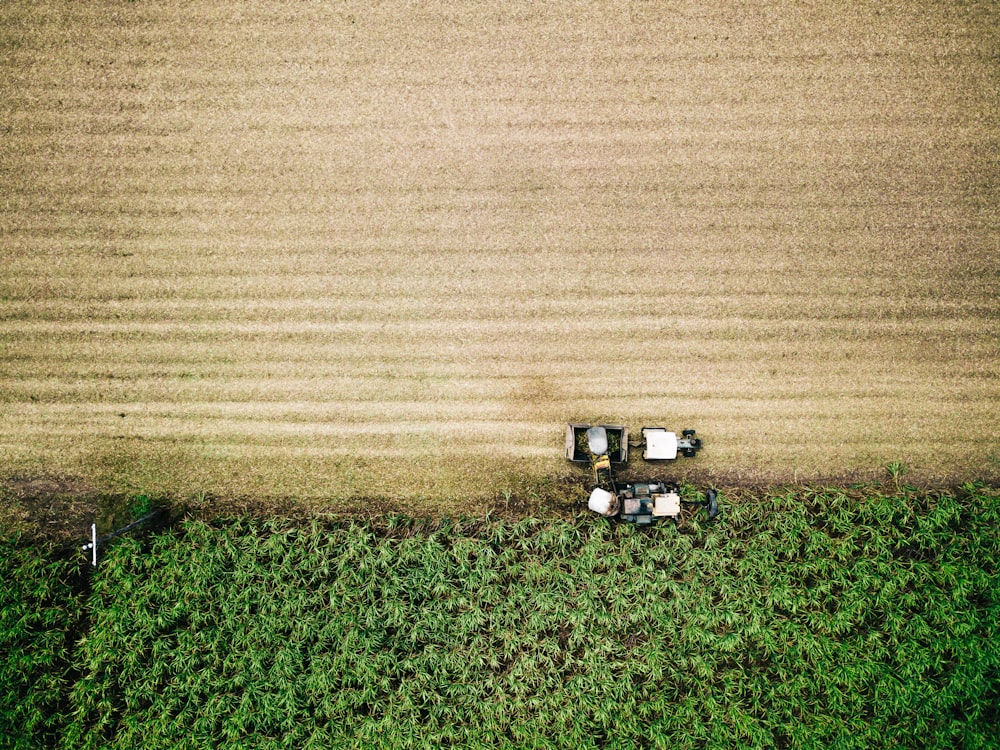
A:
[(338, 252)]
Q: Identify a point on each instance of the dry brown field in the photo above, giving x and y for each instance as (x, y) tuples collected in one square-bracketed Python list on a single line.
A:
[(332, 251)]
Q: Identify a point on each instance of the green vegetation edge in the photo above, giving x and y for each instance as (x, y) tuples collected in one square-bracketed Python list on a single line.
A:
[(799, 618)]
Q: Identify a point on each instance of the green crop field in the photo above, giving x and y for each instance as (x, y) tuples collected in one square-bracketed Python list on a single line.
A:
[(341, 251), (816, 619)]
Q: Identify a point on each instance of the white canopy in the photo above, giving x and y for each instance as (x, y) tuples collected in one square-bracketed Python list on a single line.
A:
[(603, 502), (660, 444)]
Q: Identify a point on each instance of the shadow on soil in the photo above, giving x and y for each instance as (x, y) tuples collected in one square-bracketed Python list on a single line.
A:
[(59, 511)]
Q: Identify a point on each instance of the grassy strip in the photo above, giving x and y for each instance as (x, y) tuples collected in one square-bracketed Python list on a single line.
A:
[(798, 620)]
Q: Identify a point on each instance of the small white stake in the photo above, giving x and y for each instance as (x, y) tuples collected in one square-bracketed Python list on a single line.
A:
[(93, 543)]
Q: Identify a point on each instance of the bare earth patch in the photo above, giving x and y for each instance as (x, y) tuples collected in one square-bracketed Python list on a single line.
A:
[(54, 508)]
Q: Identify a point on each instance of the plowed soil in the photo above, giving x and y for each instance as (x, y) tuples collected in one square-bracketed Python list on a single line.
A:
[(334, 252)]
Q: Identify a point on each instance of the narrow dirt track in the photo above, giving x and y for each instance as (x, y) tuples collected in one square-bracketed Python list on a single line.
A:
[(320, 251)]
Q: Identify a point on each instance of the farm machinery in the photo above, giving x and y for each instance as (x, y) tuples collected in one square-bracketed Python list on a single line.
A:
[(641, 503)]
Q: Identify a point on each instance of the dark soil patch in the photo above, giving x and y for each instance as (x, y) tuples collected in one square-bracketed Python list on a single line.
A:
[(53, 509)]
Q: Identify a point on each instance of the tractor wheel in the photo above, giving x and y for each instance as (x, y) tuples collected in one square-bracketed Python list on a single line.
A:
[(712, 504), (688, 433)]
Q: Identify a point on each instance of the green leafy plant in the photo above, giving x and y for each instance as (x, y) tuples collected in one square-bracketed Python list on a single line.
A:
[(41, 615), (809, 618), (896, 471)]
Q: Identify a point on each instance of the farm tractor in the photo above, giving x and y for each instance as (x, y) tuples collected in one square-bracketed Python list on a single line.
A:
[(641, 503)]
